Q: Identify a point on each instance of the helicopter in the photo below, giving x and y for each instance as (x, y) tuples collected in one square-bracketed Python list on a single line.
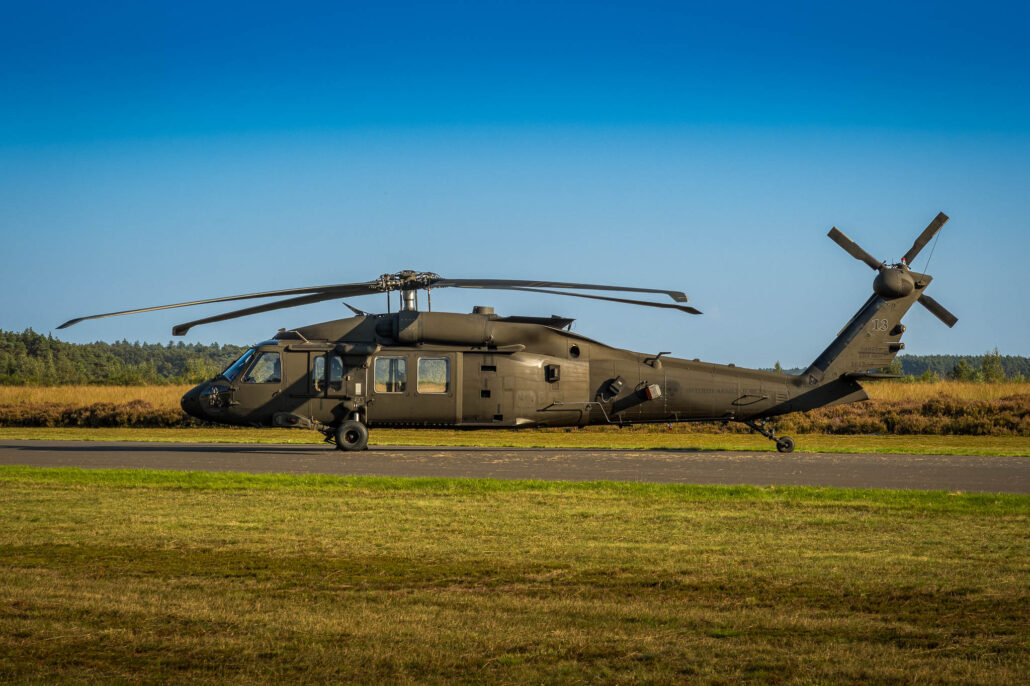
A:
[(413, 368)]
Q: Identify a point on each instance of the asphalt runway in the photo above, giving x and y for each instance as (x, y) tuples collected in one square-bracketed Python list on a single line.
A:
[(924, 472)]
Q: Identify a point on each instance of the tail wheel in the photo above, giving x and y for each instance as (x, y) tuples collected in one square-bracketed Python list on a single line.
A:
[(351, 435), (785, 444)]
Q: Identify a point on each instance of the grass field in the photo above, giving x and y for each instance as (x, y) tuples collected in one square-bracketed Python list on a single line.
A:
[(167, 397), (143, 577), (626, 439)]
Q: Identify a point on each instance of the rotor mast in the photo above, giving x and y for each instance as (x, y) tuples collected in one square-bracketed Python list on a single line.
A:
[(408, 282), (409, 303)]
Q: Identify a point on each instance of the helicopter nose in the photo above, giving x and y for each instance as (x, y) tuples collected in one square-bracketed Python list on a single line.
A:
[(191, 402)]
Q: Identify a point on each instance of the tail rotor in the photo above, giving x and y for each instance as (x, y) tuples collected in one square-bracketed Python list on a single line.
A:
[(896, 280)]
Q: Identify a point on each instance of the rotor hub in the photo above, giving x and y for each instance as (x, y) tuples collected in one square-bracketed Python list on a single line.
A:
[(895, 282), (407, 280)]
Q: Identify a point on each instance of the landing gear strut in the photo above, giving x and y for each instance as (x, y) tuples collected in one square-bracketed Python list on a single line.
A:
[(785, 444)]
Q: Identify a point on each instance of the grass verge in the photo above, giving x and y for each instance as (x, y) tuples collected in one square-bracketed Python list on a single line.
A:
[(142, 576), (627, 439)]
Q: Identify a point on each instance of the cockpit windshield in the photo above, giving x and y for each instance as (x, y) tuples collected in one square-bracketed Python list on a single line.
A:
[(233, 370)]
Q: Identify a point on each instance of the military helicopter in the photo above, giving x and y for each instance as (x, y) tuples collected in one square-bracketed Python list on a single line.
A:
[(483, 371)]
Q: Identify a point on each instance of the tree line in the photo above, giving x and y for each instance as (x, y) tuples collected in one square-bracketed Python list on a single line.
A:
[(991, 367), (30, 358)]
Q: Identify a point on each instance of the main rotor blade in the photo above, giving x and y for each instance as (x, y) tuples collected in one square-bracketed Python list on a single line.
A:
[(181, 329), (343, 290), (682, 308), (938, 310), (925, 237), (678, 296), (853, 248)]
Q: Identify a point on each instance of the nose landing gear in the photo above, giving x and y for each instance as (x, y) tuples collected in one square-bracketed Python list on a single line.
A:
[(784, 444)]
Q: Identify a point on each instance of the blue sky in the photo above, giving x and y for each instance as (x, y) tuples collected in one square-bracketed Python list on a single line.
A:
[(151, 153)]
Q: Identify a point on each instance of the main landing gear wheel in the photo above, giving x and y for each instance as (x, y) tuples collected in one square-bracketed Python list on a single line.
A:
[(785, 444), (351, 435)]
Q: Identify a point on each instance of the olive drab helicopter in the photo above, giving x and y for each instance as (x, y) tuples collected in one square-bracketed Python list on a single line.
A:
[(413, 368)]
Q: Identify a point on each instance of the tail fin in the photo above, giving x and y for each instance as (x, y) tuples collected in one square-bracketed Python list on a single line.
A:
[(869, 341), (872, 338)]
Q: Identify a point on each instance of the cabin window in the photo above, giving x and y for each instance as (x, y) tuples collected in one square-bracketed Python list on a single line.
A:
[(266, 369), (434, 374), (391, 374)]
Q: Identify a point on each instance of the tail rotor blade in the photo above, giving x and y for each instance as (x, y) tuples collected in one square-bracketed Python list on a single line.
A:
[(853, 248), (928, 233), (938, 310)]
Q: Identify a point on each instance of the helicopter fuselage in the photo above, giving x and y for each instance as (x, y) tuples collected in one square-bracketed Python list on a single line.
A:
[(473, 371)]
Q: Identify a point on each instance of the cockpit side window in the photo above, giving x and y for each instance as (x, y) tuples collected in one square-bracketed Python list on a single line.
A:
[(266, 369), (233, 370)]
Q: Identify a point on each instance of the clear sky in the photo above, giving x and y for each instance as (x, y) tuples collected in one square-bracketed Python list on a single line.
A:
[(158, 152)]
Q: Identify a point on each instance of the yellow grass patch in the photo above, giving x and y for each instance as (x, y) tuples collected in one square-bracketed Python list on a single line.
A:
[(83, 396), (893, 391), (168, 396)]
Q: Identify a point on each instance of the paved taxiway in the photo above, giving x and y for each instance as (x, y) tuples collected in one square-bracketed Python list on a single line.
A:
[(930, 472)]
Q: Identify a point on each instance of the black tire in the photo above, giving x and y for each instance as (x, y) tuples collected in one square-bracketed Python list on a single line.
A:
[(785, 444), (351, 435)]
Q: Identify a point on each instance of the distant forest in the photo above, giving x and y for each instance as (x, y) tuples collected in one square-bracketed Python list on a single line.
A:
[(35, 359), (32, 358), (950, 366), (991, 366)]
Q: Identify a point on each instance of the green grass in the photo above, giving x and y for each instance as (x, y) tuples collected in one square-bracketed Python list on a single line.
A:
[(139, 576), (629, 439)]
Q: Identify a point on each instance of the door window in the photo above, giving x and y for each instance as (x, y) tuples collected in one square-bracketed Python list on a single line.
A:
[(266, 369), (434, 375), (391, 374), (335, 373), (318, 373)]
